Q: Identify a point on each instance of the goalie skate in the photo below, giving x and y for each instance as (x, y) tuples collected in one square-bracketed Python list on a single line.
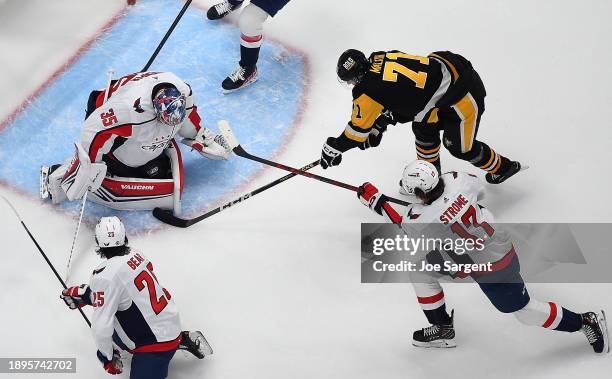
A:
[(195, 343)]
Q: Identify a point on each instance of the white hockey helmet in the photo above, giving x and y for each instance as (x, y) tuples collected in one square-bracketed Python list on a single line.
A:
[(110, 232), (419, 174)]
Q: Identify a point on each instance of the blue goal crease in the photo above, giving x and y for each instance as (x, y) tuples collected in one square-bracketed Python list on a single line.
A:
[(202, 53)]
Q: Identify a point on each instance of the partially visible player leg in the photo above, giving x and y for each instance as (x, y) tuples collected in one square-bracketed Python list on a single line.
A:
[(552, 316), (430, 296), (461, 122), (251, 23), (151, 365), (511, 296), (427, 142)]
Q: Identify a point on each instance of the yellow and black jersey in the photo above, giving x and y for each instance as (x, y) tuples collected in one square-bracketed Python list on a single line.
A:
[(409, 86)]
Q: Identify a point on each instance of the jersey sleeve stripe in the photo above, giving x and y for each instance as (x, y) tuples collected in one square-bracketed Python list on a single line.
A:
[(355, 135), (195, 118), (101, 139), (448, 64)]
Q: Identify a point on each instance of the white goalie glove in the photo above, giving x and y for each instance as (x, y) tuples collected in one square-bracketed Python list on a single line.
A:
[(77, 176), (208, 144)]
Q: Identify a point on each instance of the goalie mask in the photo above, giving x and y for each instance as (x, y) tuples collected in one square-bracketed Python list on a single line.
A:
[(169, 104)]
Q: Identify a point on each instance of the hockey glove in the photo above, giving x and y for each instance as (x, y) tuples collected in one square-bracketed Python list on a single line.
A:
[(374, 138), (209, 145), (330, 156), (77, 296), (380, 126), (371, 198), (115, 365)]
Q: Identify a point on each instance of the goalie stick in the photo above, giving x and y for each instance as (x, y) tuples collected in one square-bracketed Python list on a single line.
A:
[(166, 215), (239, 150)]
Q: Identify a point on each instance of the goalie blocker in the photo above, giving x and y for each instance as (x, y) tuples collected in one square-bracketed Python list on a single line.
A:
[(77, 175)]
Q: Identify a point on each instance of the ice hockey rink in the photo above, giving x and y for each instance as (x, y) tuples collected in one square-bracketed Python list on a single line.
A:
[(274, 282)]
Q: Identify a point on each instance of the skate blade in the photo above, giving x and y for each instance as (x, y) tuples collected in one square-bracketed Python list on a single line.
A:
[(603, 324), (246, 84), (43, 188), (205, 347), (439, 344)]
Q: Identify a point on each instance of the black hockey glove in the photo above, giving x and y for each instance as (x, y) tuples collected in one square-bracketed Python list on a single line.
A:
[(330, 155), (380, 126)]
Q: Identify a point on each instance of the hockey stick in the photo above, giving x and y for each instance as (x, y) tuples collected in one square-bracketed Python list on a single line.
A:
[(166, 215), (239, 150), (163, 41), (76, 232), (43, 254)]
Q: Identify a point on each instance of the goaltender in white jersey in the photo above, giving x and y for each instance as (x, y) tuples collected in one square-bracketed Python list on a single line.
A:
[(131, 309), (127, 156)]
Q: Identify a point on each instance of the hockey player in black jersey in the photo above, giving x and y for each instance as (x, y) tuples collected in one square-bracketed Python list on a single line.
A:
[(438, 93)]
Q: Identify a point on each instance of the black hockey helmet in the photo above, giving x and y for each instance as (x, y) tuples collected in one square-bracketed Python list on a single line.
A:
[(352, 65)]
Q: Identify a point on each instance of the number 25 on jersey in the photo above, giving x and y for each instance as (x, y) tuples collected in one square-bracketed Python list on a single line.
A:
[(147, 279)]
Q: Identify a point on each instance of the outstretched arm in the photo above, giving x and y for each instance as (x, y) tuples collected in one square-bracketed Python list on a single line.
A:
[(376, 201)]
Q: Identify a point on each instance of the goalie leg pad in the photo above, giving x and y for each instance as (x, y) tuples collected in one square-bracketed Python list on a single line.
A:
[(82, 175)]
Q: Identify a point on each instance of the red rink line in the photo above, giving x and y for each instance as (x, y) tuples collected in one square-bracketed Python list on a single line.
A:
[(297, 122), (56, 74), (6, 121)]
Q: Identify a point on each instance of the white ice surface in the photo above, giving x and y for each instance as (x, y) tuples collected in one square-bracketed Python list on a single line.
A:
[(274, 282)]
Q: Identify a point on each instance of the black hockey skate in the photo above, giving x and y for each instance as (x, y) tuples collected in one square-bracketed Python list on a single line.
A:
[(500, 178), (440, 336), (241, 77), (195, 343), (595, 328), (221, 10)]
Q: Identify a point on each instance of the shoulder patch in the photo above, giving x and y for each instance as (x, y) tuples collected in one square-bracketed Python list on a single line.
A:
[(137, 106)]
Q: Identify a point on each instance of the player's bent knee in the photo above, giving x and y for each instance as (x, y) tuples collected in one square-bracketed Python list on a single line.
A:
[(251, 20)]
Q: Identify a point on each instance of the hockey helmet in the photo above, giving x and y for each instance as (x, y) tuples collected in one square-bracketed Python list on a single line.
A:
[(352, 66), (420, 174), (110, 232), (169, 104)]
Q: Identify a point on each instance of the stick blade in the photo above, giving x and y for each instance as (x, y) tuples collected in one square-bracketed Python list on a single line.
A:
[(167, 217), (227, 132)]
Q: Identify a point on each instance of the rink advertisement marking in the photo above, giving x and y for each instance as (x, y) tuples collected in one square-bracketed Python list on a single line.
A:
[(275, 104)]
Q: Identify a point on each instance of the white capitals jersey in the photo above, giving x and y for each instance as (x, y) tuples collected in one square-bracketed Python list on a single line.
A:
[(126, 125), (129, 303), (457, 215)]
